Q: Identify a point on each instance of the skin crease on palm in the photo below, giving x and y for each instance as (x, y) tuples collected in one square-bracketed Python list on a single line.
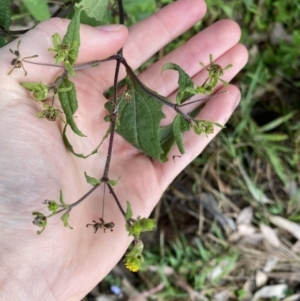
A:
[(64, 264)]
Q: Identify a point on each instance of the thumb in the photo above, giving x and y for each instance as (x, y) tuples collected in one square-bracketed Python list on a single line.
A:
[(95, 43)]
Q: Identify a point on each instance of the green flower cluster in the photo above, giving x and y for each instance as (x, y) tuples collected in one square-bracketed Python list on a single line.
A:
[(65, 53), (40, 91), (40, 219), (204, 126), (140, 225), (134, 259)]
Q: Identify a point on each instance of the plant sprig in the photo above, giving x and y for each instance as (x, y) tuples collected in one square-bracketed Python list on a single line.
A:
[(147, 134)]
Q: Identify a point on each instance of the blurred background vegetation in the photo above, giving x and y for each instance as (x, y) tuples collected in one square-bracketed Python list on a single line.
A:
[(228, 226)]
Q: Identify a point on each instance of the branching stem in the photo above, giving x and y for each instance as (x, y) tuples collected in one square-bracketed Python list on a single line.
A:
[(84, 197), (112, 192), (202, 99), (120, 59)]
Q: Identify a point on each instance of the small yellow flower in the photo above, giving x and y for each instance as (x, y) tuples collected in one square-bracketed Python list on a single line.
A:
[(134, 258), (132, 264)]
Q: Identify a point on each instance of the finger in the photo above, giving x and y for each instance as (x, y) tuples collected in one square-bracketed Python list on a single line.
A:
[(216, 40), (96, 43), (150, 35)]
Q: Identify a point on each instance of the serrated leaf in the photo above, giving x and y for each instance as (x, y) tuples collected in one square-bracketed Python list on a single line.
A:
[(65, 220), (91, 180), (67, 50), (140, 120), (166, 138), (166, 134), (72, 37), (180, 125), (184, 81), (94, 13), (128, 214), (38, 9), (69, 104)]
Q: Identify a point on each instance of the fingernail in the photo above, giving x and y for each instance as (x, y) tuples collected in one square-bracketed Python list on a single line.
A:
[(110, 28)]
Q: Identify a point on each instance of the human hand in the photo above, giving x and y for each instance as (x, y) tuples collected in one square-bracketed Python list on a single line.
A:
[(64, 264)]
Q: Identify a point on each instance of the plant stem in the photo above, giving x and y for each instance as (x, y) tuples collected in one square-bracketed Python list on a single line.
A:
[(112, 192), (113, 117), (202, 99), (84, 196), (121, 21), (153, 94), (59, 80)]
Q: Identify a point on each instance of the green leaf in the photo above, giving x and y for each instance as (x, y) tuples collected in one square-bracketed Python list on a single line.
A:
[(61, 199), (113, 182), (128, 214), (69, 104), (67, 49), (72, 39), (166, 134), (5, 19), (40, 91), (65, 219), (140, 120), (180, 125), (166, 138), (91, 180), (38, 9), (94, 13), (184, 81), (2, 42), (71, 149)]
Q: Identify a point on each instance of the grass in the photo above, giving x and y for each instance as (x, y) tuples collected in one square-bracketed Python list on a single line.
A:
[(216, 231), (253, 164)]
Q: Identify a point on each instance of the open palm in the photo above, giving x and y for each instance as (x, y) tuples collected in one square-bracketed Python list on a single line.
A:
[(64, 264)]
